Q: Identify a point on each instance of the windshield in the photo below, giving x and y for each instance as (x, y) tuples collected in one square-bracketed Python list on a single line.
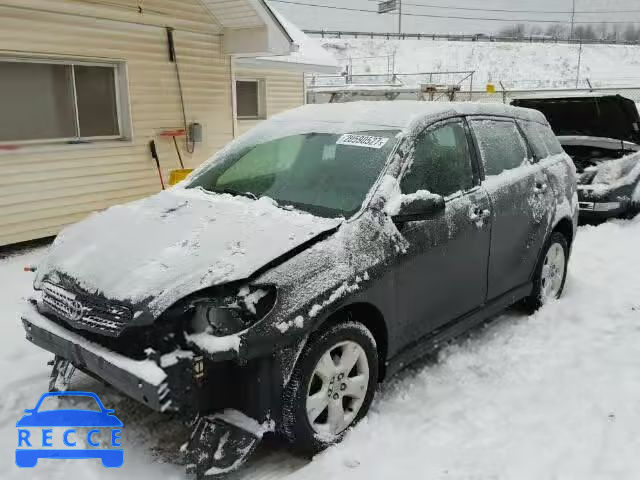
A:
[(326, 174)]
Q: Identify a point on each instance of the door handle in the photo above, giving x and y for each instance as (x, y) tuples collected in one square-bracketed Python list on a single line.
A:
[(541, 187), (478, 214)]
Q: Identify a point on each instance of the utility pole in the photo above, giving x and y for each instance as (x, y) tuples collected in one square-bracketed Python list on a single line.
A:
[(573, 18), (579, 64), (400, 17)]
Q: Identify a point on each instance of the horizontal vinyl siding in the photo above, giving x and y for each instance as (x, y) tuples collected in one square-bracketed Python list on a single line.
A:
[(44, 188), (284, 91), (182, 14)]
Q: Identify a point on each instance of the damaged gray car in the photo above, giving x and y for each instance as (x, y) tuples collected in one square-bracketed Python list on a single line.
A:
[(307, 261), (601, 133)]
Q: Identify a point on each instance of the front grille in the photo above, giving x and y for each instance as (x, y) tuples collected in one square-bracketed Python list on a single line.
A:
[(85, 312)]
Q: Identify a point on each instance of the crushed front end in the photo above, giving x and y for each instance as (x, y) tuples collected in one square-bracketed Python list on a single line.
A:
[(186, 362)]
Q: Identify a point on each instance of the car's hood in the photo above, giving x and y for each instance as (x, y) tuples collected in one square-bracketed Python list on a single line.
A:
[(613, 116), (164, 247)]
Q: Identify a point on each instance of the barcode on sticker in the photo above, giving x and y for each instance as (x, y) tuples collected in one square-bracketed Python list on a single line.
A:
[(362, 141)]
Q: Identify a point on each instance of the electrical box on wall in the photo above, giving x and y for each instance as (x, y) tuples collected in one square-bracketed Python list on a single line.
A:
[(195, 132)]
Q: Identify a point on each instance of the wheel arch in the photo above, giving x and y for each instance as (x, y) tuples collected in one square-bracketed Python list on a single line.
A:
[(371, 317), (565, 227)]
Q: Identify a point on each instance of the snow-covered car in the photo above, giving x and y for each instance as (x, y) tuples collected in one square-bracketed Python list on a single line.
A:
[(307, 261), (601, 133)]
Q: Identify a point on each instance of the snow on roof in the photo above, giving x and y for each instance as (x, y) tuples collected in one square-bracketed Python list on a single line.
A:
[(310, 55), (399, 114)]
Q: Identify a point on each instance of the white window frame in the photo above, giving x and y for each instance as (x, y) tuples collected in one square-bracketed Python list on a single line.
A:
[(262, 98), (123, 105)]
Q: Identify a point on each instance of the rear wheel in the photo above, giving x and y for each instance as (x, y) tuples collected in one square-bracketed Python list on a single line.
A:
[(551, 273), (331, 387)]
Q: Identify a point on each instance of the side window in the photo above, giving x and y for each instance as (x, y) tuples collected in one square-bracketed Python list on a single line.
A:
[(536, 138), (441, 161), (550, 139), (501, 145)]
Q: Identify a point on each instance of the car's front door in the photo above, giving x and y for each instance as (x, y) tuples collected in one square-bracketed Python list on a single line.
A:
[(443, 274), (521, 202)]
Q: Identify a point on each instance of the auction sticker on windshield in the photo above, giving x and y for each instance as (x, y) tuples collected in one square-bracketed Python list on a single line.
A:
[(362, 141)]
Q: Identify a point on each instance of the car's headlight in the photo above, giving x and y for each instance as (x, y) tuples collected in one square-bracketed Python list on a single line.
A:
[(232, 314)]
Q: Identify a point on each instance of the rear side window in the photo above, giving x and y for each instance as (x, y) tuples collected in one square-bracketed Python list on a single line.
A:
[(535, 136), (550, 139), (441, 161), (501, 145)]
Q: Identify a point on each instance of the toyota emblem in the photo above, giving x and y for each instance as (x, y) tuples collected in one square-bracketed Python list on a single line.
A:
[(76, 310)]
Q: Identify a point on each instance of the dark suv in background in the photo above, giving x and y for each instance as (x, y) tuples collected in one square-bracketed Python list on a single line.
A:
[(306, 262), (601, 133)]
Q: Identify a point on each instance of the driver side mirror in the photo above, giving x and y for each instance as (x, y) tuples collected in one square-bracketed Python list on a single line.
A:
[(418, 206)]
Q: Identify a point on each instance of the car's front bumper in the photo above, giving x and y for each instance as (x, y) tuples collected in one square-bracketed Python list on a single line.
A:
[(143, 380), (184, 381)]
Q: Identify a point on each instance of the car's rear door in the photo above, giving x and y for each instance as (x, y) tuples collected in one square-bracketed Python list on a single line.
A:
[(443, 274), (522, 202)]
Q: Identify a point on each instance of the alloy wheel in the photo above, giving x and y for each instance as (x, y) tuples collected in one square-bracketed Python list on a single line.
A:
[(337, 388), (553, 271)]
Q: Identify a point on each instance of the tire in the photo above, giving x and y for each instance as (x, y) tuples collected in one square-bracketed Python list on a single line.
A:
[(314, 376), (542, 293)]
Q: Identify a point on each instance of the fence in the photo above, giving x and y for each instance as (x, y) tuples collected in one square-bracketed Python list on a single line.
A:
[(320, 89), (467, 38)]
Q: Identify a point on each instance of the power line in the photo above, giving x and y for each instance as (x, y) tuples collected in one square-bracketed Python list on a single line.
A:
[(475, 9), (455, 17)]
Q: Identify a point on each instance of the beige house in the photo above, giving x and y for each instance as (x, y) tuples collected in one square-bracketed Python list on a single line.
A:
[(86, 85)]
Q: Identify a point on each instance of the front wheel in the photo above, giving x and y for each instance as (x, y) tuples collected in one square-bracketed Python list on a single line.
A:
[(331, 387), (551, 273)]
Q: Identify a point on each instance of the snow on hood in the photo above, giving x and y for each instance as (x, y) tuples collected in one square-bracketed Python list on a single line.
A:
[(176, 242)]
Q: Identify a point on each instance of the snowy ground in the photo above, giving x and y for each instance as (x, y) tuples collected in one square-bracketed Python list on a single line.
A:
[(552, 396)]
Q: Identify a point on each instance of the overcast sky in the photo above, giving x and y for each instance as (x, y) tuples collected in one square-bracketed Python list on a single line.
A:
[(329, 19)]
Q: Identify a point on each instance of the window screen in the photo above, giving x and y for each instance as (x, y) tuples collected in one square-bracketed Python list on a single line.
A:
[(441, 162), (248, 99), (501, 145), (53, 101), (97, 103)]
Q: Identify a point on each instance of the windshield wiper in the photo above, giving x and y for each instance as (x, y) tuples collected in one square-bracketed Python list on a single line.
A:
[(240, 193)]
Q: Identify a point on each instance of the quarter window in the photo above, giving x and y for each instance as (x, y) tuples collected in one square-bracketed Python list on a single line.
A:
[(56, 101), (501, 145), (535, 137), (441, 161)]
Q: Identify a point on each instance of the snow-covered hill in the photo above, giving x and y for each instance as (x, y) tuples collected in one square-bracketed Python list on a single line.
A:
[(517, 65)]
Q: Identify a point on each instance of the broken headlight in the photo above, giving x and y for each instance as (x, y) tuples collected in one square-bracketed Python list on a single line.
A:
[(234, 313)]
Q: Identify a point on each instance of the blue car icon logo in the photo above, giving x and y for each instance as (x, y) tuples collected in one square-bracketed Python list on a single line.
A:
[(35, 433)]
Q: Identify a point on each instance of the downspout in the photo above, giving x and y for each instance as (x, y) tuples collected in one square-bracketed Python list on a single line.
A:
[(234, 112)]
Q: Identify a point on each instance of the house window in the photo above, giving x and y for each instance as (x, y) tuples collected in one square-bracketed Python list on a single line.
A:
[(250, 99), (48, 101)]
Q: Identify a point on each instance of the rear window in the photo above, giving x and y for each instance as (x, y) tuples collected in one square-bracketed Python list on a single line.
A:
[(501, 145)]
